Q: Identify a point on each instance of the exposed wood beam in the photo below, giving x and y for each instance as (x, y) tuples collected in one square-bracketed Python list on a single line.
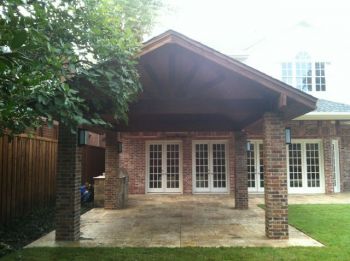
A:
[(176, 106), (206, 86), (154, 77), (282, 102), (179, 123), (172, 74), (188, 79)]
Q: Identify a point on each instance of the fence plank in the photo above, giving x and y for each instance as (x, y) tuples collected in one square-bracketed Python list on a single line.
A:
[(27, 175)]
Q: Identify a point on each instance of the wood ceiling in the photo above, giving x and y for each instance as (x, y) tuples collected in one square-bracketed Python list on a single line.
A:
[(184, 89)]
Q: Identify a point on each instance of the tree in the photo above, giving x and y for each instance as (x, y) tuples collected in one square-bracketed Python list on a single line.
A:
[(69, 60)]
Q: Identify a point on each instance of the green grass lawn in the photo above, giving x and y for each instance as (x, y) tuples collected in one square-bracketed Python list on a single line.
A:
[(329, 224)]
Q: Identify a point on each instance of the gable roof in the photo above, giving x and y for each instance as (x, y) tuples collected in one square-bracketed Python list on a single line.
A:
[(173, 37)]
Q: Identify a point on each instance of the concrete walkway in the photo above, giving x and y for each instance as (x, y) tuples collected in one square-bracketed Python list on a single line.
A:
[(178, 221)]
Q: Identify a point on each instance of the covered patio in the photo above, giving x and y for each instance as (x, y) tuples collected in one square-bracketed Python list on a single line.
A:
[(178, 221), (188, 88)]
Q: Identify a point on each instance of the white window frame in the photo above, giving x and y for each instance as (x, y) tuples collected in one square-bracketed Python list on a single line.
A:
[(336, 165), (305, 189), (257, 188), (292, 76), (210, 189), (164, 190)]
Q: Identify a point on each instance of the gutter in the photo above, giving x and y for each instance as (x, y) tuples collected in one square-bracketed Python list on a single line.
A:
[(324, 116)]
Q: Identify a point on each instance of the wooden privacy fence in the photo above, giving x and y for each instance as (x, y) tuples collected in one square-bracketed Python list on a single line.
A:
[(27, 175)]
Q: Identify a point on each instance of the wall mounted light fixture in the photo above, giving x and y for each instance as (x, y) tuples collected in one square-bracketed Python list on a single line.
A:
[(248, 145), (83, 137), (288, 135), (120, 147)]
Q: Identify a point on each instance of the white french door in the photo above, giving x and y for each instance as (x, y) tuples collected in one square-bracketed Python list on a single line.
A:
[(255, 166), (336, 169), (210, 166), (305, 167), (164, 167)]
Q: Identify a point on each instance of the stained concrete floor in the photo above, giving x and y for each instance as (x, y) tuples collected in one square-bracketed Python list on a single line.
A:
[(178, 221)]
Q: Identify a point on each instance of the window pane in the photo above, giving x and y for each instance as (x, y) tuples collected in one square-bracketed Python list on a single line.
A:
[(295, 168), (287, 73), (312, 165), (320, 77), (303, 70), (251, 166)]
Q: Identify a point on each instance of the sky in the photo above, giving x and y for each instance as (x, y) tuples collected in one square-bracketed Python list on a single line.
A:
[(232, 26)]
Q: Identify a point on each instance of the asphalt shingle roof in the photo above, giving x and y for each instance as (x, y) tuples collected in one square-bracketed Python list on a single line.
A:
[(330, 106)]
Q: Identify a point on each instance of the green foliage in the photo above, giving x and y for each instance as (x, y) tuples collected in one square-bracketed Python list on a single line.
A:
[(46, 45)]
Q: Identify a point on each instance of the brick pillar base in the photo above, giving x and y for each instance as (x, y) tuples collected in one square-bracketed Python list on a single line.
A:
[(68, 184), (111, 171), (275, 172), (241, 175)]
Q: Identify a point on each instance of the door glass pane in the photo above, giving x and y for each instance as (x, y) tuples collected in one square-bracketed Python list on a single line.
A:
[(333, 166), (219, 166), (251, 166), (261, 164), (312, 165), (295, 166), (172, 165), (155, 166), (202, 161)]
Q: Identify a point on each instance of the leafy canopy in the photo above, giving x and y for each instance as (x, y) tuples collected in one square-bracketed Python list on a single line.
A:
[(47, 46)]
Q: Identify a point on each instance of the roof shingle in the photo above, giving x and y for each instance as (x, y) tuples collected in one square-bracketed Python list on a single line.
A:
[(330, 106)]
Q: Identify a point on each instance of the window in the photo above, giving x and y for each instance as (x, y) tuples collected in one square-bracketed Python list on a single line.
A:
[(305, 173), (303, 69), (287, 73), (320, 77), (304, 74)]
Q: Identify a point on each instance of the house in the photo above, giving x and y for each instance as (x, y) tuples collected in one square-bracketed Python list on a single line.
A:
[(180, 136), (208, 123)]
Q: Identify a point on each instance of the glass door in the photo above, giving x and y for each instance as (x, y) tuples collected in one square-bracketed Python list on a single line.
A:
[(255, 166), (164, 167), (305, 167), (210, 166)]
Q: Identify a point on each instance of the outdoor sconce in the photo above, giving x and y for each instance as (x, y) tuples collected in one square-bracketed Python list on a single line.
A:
[(288, 136), (248, 145), (83, 137), (120, 147)]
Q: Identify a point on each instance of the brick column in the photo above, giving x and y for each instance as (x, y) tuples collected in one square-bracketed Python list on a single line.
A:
[(68, 184), (241, 174), (328, 133), (187, 165), (275, 171), (111, 171), (328, 165)]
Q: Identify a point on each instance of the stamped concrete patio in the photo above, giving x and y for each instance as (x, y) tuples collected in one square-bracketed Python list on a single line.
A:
[(178, 221)]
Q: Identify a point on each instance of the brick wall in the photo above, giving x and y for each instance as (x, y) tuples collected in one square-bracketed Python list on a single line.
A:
[(133, 157), (325, 130), (344, 147)]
